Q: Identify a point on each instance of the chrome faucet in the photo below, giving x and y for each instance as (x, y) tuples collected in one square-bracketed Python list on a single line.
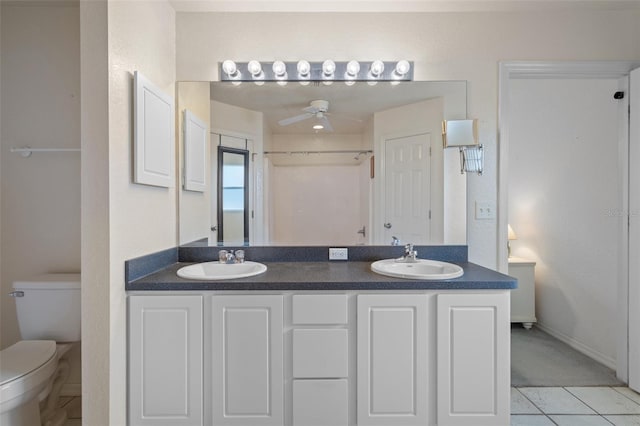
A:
[(229, 256), (410, 254)]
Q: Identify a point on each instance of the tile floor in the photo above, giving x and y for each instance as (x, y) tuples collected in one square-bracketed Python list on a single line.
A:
[(574, 406)]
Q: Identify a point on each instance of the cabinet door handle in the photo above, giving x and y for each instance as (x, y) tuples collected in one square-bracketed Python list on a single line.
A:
[(17, 294), (387, 225)]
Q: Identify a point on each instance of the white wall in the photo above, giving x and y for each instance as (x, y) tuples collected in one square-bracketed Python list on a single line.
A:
[(563, 198), (194, 213), (120, 220), (444, 46), (40, 108)]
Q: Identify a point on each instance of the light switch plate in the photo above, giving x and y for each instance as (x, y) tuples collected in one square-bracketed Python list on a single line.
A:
[(338, 254), (485, 210)]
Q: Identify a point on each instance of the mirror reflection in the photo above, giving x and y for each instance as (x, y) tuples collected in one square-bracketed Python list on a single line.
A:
[(327, 164), (233, 196)]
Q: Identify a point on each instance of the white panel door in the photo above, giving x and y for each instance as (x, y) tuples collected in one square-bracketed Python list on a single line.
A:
[(247, 360), (407, 189), (392, 360), (473, 359), (634, 231), (165, 360)]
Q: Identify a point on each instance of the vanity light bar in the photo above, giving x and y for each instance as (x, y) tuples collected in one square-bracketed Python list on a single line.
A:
[(316, 71)]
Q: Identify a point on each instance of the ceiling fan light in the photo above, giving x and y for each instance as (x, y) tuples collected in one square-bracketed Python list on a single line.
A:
[(353, 68), (279, 69), (318, 126), (377, 68), (328, 68), (229, 67), (304, 68), (255, 68), (403, 67)]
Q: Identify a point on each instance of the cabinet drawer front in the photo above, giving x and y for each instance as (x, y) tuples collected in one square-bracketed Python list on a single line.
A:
[(320, 309), (320, 353), (320, 403)]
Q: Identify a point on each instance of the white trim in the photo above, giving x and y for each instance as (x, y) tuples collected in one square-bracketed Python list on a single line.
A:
[(601, 358), (523, 69), (634, 236)]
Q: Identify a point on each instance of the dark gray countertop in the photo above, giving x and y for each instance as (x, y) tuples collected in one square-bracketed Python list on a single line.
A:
[(329, 275)]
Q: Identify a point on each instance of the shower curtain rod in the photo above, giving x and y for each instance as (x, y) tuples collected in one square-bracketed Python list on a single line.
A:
[(361, 151)]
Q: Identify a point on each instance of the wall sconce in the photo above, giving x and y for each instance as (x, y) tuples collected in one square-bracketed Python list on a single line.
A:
[(463, 134), (327, 71)]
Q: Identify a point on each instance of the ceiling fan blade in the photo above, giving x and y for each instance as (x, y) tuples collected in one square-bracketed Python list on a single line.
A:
[(325, 123), (294, 119), (311, 109)]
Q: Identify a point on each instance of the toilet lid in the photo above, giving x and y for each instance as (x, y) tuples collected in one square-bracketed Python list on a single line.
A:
[(24, 357)]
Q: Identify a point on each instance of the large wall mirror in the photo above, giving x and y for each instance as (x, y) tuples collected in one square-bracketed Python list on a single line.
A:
[(330, 164)]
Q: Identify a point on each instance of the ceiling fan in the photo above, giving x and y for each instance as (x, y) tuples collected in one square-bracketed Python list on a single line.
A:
[(317, 109)]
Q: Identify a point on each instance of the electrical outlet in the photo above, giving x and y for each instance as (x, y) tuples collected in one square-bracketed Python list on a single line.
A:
[(485, 210), (338, 254)]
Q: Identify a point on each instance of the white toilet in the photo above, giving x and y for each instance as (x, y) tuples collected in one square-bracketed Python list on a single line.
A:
[(33, 370)]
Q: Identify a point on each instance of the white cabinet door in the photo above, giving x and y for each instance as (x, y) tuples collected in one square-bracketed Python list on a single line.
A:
[(392, 359), (165, 360), (247, 360), (473, 359)]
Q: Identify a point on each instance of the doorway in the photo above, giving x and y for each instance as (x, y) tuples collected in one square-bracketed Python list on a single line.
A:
[(595, 178)]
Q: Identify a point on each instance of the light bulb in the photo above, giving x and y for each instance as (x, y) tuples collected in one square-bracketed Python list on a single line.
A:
[(304, 68), (402, 68), (279, 69), (229, 67), (353, 68), (328, 68), (318, 127), (377, 68), (255, 68)]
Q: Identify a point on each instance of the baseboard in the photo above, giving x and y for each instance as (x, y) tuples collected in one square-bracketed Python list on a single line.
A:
[(71, 389), (580, 347)]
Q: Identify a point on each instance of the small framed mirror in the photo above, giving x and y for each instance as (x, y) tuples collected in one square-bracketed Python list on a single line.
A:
[(233, 196)]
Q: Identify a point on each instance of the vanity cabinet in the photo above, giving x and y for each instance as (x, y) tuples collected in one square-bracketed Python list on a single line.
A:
[(165, 360), (247, 360), (393, 359), (320, 359)]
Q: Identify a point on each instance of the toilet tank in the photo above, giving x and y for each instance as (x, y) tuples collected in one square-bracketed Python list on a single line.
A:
[(48, 307)]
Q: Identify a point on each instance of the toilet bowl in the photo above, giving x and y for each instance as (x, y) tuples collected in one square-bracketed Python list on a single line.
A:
[(33, 371)]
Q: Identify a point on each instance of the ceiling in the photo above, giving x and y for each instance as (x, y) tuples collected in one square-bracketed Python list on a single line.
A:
[(350, 107), (393, 5)]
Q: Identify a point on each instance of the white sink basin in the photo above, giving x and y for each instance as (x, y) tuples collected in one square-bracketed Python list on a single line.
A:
[(421, 269), (221, 271)]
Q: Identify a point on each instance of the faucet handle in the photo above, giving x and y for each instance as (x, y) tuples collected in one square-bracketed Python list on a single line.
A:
[(240, 256), (222, 256)]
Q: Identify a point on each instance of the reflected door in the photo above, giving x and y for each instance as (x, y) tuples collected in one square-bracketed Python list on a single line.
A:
[(407, 189), (233, 196)]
